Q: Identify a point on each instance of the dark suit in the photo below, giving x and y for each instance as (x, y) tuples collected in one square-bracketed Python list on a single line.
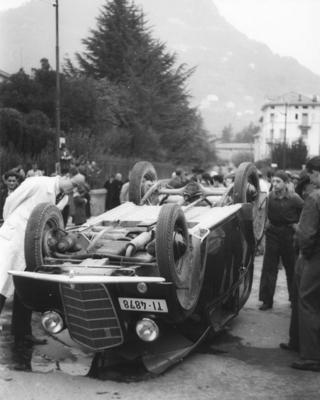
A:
[(308, 235), (283, 212), (113, 194)]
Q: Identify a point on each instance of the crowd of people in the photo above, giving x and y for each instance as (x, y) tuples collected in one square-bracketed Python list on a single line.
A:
[(292, 240), (292, 237), (75, 207)]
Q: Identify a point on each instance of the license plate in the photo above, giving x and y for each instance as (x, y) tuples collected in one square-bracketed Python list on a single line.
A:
[(148, 305)]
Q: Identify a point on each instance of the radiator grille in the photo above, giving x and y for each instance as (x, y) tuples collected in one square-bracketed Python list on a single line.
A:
[(90, 315)]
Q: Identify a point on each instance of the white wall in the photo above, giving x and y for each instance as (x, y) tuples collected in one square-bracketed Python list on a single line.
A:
[(291, 123)]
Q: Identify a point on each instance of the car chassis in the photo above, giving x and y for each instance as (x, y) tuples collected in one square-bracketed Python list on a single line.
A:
[(152, 277)]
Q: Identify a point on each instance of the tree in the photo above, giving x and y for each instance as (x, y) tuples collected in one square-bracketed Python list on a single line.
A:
[(295, 156), (28, 134), (37, 133), (11, 128), (26, 93), (150, 103), (18, 92), (246, 135), (45, 81), (298, 154), (110, 48), (239, 158), (227, 133)]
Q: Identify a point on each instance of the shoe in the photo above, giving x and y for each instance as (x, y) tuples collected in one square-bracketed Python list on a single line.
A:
[(307, 365), (30, 340), (265, 307), (288, 346)]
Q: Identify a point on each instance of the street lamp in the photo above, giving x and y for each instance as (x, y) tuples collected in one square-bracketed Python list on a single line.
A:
[(56, 5)]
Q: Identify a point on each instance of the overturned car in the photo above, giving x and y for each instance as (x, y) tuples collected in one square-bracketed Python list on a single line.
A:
[(152, 277)]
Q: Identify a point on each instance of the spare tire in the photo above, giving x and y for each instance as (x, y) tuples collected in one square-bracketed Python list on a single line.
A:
[(141, 172), (43, 231), (175, 259)]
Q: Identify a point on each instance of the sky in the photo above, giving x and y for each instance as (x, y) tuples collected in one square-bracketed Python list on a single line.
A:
[(288, 27)]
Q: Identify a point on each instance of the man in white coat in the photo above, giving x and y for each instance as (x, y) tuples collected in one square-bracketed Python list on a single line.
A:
[(17, 210)]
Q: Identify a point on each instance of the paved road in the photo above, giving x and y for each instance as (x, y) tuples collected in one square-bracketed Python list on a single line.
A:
[(243, 363)]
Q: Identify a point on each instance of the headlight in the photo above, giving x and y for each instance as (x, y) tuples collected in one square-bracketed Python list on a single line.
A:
[(147, 330), (52, 322), (142, 287)]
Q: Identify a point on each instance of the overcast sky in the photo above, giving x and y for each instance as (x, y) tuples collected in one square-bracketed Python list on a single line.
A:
[(288, 27)]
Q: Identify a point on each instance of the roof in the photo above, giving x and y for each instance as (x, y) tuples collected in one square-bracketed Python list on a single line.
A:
[(291, 98), (234, 146), (4, 74)]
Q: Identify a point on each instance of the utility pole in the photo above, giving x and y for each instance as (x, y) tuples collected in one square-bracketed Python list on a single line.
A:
[(56, 5), (284, 153)]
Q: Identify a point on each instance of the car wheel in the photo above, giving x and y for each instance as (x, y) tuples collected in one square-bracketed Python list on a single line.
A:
[(259, 212), (177, 263), (245, 182), (246, 189), (43, 232), (142, 174)]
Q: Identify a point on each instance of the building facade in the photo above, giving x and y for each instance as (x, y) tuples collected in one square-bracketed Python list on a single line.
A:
[(287, 119), (226, 152)]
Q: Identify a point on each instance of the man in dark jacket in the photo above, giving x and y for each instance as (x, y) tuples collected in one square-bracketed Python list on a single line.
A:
[(284, 210), (308, 236), (113, 192)]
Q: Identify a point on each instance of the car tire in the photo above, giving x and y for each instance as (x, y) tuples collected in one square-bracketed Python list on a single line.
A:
[(141, 171), (176, 261), (247, 174), (43, 225), (171, 221)]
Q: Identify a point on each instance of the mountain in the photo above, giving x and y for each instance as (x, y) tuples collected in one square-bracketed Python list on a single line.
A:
[(234, 75)]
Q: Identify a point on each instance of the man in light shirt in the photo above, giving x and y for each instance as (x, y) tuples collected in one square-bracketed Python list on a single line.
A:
[(17, 210)]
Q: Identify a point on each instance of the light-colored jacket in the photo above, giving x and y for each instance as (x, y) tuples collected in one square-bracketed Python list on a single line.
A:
[(17, 209)]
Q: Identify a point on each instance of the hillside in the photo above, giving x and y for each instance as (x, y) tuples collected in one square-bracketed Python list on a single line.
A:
[(233, 76)]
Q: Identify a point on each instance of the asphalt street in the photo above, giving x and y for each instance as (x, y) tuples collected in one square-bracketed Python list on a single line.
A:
[(244, 362)]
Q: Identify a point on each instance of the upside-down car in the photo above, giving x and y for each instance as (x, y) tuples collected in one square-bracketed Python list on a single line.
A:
[(150, 278)]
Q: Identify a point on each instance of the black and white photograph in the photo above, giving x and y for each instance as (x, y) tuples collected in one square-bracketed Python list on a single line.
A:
[(159, 199)]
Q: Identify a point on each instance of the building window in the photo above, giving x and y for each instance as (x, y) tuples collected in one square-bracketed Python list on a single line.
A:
[(305, 107), (272, 107), (296, 116), (271, 135), (305, 120), (272, 117)]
